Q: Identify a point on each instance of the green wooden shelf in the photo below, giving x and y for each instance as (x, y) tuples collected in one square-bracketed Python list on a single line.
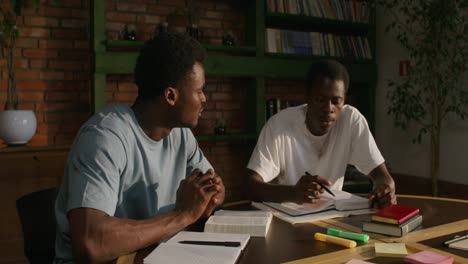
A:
[(344, 60), (224, 48), (310, 23), (240, 66), (227, 137), (252, 62)]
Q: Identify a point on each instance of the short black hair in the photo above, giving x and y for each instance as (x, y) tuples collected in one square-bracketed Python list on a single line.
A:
[(165, 61), (326, 68)]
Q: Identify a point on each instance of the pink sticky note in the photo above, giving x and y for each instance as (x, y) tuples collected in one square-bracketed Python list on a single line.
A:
[(428, 257)]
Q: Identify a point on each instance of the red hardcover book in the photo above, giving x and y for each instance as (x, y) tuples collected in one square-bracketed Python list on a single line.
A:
[(395, 214)]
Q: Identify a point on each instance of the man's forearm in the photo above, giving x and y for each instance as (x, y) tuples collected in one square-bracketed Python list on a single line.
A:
[(267, 192), (109, 237)]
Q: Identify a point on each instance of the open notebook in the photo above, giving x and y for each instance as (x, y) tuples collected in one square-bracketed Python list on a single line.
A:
[(343, 201), (174, 252)]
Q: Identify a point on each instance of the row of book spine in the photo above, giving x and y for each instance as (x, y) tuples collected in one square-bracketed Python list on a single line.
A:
[(274, 105), (348, 10), (317, 44)]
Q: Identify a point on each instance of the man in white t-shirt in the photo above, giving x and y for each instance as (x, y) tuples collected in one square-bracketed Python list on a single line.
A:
[(320, 138)]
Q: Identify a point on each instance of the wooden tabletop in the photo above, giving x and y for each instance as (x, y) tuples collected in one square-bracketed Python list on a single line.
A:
[(442, 218)]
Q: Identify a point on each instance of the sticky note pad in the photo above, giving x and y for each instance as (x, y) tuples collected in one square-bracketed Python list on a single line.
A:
[(396, 250), (428, 257)]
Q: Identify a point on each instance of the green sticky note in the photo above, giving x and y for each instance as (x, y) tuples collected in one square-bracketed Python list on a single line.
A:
[(395, 250)]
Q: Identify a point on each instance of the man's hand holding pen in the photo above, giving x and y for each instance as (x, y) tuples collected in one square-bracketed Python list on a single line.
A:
[(308, 188)]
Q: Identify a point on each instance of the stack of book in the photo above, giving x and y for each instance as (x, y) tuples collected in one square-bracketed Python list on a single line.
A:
[(394, 220)]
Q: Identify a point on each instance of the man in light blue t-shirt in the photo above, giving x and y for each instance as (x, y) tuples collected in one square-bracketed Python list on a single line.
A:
[(135, 175)]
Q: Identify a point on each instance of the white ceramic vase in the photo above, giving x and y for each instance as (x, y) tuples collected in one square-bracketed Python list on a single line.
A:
[(17, 126)]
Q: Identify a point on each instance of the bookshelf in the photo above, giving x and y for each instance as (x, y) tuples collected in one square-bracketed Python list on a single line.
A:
[(252, 60)]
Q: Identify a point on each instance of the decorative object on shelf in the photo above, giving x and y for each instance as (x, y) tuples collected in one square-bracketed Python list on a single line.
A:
[(124, 34), (193, 12), (194, 32), (16, 126), (127, 34), (435, 34), (228, 39), (163, 28), (220, 127)]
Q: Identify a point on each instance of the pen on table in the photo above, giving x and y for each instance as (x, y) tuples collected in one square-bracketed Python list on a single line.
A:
[(212, 243), (446, 243), (321, 185)]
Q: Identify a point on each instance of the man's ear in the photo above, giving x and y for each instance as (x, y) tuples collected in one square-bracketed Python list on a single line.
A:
[(171, 95)]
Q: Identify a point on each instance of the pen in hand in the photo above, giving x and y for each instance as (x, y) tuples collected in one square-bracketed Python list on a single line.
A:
[(321, 185)]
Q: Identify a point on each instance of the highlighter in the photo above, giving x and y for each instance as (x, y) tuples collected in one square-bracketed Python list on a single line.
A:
[(335, 240), (348, 235)]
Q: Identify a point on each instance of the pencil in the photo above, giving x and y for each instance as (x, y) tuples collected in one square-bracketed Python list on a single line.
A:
[(321, 185)]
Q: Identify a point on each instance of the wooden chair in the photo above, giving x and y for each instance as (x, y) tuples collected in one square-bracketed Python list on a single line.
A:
[(36, 213)]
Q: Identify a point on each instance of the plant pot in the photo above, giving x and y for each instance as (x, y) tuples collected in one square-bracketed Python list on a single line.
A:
[(17, 126)]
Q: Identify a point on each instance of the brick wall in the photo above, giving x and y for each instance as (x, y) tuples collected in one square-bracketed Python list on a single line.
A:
[(53, 68), (52, 62)]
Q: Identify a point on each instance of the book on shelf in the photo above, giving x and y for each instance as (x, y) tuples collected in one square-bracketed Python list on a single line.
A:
[(254, 223), (274, 105), (392, 229), (342, 201), (395, 214), (176, 251), (348, 10), (317, 44)]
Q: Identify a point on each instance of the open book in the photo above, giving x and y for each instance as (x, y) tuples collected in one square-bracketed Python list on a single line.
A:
[(342, 201), (173, 251), (254, 223)]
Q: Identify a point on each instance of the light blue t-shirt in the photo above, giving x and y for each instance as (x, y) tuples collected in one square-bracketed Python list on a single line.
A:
[(116, 168)]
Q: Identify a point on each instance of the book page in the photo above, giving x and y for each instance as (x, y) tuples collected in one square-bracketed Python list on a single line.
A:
[(302, 209), (237, 220), (208, 236), (342, 201), (347, 201), (251, 213), (195, 254), (308, 218)]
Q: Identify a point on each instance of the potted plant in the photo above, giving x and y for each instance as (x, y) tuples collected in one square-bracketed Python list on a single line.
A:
[(435, 34), (16, 126)]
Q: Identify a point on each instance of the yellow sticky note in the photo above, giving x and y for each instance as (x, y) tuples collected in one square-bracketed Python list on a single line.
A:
[(396, 250)]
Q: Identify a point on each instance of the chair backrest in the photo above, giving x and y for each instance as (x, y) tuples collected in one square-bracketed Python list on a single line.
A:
[(36, 213)]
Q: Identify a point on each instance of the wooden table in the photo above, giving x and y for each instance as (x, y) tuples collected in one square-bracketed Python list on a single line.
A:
[(442, 218)]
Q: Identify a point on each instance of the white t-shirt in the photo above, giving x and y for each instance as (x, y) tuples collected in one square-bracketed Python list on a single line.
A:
[(286, 148)]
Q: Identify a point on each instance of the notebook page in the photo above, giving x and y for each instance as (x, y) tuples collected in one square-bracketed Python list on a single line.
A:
[(194, 254), (462, 245)]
